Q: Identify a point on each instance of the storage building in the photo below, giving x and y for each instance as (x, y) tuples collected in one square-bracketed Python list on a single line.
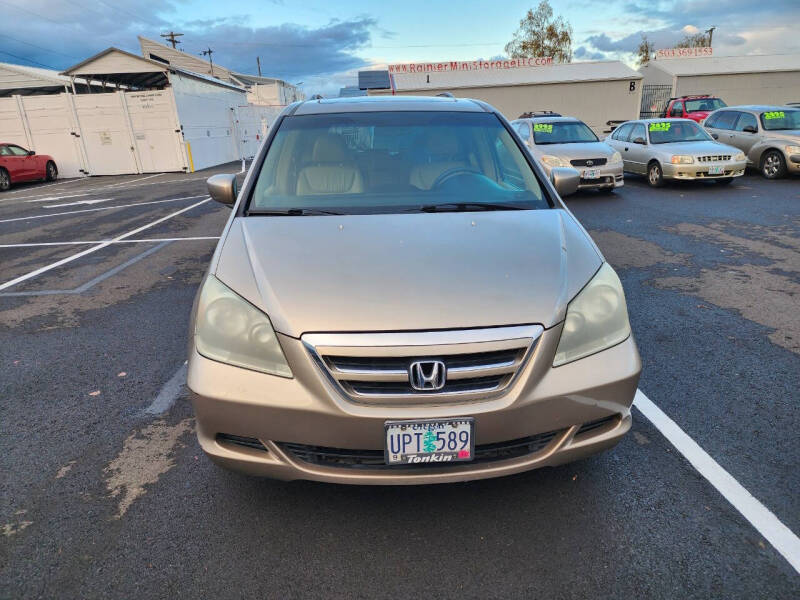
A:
[(600, 93), (758, 79)]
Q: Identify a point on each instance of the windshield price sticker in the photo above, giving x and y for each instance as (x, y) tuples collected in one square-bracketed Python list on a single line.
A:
[(775, 114), (543, 127), (660, 126)]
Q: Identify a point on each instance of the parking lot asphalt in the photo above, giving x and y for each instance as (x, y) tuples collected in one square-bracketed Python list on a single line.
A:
[(105, 492)]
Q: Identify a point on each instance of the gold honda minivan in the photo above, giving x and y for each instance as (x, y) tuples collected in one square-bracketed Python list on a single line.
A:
[(401, 297)]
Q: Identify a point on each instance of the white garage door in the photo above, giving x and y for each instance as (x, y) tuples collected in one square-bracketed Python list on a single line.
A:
[(52, 129), (156, 131), (106, 134)]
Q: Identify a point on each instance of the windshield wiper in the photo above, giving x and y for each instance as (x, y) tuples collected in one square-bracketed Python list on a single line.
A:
[(467, 206), (293, 212)]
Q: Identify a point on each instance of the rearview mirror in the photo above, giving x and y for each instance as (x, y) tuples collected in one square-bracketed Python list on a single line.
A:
[(715, 136), (749, 129), (565, 180), (223, 188), (31, 152), (640, 140)]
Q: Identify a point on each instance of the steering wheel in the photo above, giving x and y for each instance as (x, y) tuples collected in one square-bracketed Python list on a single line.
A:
[(450, 173)]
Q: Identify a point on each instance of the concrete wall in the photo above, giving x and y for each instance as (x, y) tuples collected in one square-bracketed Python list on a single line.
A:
[(744, 88), (594, 102)]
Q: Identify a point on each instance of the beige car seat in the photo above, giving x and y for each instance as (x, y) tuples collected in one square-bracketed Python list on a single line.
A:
[(331, 171)]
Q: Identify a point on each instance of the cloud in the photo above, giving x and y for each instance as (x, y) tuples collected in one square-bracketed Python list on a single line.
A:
[(581, 53), (58, 35)]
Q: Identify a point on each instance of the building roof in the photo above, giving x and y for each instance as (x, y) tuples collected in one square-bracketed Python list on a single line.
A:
[(22, 79), (725, 65), (119, 66), (554, 73), (387, 103)]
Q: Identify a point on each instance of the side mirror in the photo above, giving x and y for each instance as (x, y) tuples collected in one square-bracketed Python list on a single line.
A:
[(565, 180), (640, 140), (223, 188), (749, 129), (31, 152), (715, 136)]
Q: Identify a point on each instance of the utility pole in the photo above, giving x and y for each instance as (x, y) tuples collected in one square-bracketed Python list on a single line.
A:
[(172, 38), (710, 33), (208, 52), (258, 62)]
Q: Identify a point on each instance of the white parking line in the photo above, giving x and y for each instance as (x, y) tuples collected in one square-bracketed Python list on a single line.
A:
[(169, 392), (61, 197), (759, 516), (85, 210), (38, 187), (88, 242), (113, 185), (78, 255), (77, 203)]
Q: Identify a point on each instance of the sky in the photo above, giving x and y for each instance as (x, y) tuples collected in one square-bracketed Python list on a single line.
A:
[(324, 44)]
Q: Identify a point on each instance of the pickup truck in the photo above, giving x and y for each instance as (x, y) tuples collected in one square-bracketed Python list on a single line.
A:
[(696, 108)]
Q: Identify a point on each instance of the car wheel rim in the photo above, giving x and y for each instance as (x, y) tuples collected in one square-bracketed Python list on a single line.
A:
[(51, 171), (771, 165), (654, 175), (3, 181)]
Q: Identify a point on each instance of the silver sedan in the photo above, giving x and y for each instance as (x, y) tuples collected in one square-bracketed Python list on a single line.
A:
[(675, 149), (557, 141)]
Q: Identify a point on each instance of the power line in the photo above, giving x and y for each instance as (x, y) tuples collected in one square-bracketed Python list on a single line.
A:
[(30, 12), (40, 47), (172, 38), (29, 60)]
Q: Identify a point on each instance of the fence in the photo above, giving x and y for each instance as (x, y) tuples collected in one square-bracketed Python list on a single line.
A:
[(654, 101)]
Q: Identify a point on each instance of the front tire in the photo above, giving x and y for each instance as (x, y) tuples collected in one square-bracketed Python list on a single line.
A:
[(655, 176), (724, 181), (5, 180), (51, 172), (772, 165)]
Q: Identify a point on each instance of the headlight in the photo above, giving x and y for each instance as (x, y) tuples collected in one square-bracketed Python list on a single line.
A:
[(681, 160), (616, 157), (554, 161), (231, 330), (740, 156), (792, 149), (597, 318)]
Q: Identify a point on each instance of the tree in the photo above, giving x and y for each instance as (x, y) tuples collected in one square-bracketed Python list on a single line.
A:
[(540, 35), (700, 39), (645, 51)]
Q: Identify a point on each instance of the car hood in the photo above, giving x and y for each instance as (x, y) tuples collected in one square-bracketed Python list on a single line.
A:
[(577, 150), (699, 115), (695, 148), (417, 271)]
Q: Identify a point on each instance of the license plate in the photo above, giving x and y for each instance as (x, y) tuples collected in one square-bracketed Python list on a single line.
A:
[(591, 174), (716, 170), (429, 441)]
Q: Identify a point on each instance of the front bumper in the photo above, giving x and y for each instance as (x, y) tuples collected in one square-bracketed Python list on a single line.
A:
[(697, 171), (608, 176), (273, 414)]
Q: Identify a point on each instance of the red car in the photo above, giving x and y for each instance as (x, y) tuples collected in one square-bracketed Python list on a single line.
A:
[(696, 108), (18, 164)]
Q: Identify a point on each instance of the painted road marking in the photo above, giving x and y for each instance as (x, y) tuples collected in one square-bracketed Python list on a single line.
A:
[(92, 282), (133, 180), (38, 187), (77, 255), (169, 392), (88, 242), (77, 202), (759, 516), (85, 210), (61, 197)]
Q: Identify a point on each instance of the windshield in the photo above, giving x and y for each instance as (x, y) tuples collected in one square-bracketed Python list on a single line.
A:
[(707, 104), (666, 132), (350, 163), (775, 120), (562, 132)]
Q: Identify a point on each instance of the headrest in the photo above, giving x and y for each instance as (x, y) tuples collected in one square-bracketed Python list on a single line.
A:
[(329, 148)]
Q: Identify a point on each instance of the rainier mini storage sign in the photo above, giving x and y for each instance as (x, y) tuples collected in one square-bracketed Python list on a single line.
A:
[(470, 65)]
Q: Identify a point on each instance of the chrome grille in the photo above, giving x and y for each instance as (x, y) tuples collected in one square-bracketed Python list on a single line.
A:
[(583, 162), (713, 157), (374, 368)]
